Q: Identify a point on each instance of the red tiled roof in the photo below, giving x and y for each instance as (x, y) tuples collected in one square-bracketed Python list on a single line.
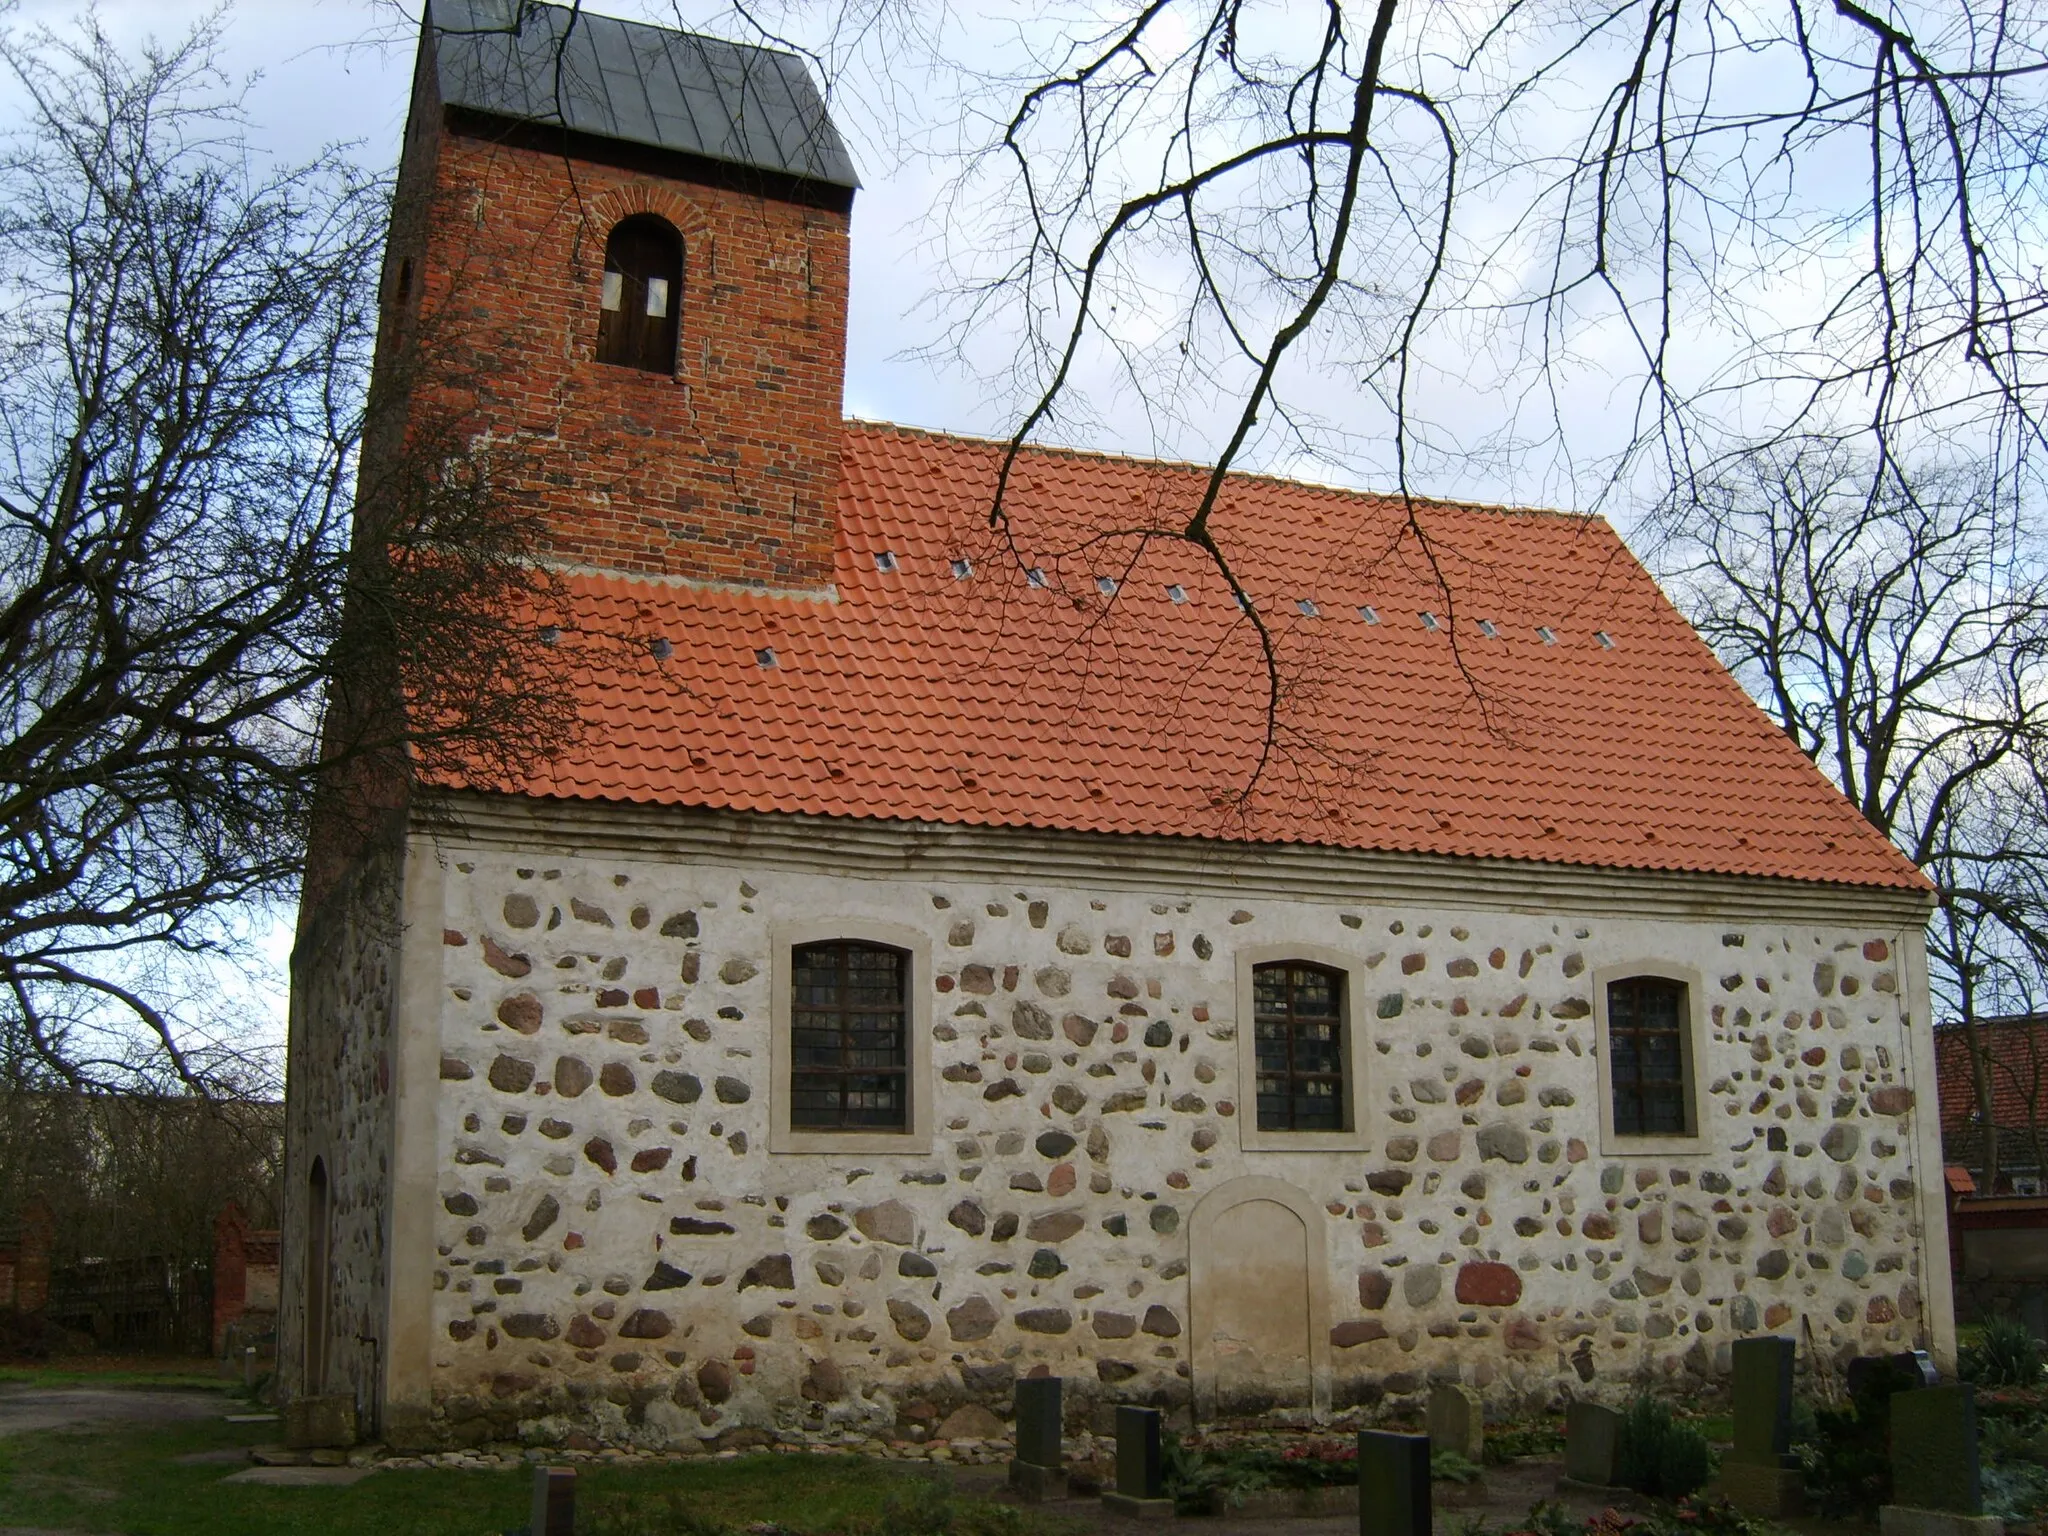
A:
[(2018, 1063), (989, 700)]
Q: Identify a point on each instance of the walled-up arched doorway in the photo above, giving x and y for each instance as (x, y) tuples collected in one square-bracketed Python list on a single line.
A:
[(319, 1255), (1258, 1300)]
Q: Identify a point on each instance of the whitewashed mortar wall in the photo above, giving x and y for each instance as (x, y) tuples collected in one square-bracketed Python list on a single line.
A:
[(848, 1285), (338, 1110)]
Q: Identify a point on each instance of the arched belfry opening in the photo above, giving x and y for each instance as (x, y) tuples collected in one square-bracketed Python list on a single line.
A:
[(641, 301)]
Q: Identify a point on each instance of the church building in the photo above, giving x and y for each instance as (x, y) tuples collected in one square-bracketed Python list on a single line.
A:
[(945, 953)]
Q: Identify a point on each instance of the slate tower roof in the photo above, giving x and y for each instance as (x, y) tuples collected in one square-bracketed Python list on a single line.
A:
[(729, 102)]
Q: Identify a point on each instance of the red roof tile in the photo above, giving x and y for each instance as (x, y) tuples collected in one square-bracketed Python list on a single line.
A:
[(988, 700), (2017, 1058)]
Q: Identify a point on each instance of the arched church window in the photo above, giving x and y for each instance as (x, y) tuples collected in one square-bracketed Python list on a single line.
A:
[(642, 296)]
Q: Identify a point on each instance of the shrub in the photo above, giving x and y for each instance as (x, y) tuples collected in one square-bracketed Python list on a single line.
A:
[(1660, 1454), (1198, 1481), (2006, 1354), (1846, 1456), (31, 1336), (1513, 1441), (1450, 1467), (927, 1506)]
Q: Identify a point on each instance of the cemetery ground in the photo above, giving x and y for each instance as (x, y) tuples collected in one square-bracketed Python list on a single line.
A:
[(163, 1474), (145, 1448)]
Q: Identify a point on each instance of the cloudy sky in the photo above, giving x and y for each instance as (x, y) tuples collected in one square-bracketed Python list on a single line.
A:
[(338, 71), (328, 71)]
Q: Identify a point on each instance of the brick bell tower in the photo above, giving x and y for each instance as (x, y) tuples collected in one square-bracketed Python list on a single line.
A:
[(623, 250)]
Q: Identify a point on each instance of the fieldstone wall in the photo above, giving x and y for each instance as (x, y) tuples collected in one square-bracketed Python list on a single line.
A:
[(338, 1109), (621, 1257)]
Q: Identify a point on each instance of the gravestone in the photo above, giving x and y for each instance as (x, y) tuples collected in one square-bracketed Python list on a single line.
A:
[(2034, 1310), (1035, 1473), (554, 1502), (1592, 1445), (1457, 1421), (1936, 1488), (1759, 1476), (1140, 1492), (1882, 1375), (1393, 1484), (319, 1423)]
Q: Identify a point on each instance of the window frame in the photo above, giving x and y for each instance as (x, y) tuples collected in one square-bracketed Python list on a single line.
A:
[(916, 1137), (1692, 1046), (665, 367), (1357, 1134)]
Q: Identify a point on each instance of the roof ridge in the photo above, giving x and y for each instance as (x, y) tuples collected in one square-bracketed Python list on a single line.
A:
[(640, 24), (1064, 450)]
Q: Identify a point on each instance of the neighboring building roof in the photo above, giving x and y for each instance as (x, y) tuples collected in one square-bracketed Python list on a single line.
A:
[(1960, 1180), (2017, 1056), (988, 700), (2019, 1149), (626, 80)]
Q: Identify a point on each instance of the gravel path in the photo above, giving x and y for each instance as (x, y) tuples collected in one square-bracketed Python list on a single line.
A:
[(23, 1408)]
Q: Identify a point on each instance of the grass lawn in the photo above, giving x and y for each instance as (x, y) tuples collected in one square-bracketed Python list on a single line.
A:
[(118, 1371), (126, 1479), (1719, 1428)]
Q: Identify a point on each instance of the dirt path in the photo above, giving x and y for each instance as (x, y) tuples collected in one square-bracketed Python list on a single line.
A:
[(24, 1408)]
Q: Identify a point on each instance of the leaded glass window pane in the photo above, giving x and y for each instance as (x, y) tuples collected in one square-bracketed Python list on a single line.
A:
[(1646, 1020), (849, 1037), (1298, 1046)]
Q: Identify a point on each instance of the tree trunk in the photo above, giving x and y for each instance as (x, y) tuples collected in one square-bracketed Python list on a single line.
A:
[(1980, 1081)]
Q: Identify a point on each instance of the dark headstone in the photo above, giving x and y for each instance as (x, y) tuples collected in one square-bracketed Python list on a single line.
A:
[(1038, 1421), (1763, 1400), (1879, 1376), (554, 1502), (1035, 1470), (2034, 1310), (1140, 1467), (1592, 1444), (1759, 1475), (1934, 1450), (1393, 1484)]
